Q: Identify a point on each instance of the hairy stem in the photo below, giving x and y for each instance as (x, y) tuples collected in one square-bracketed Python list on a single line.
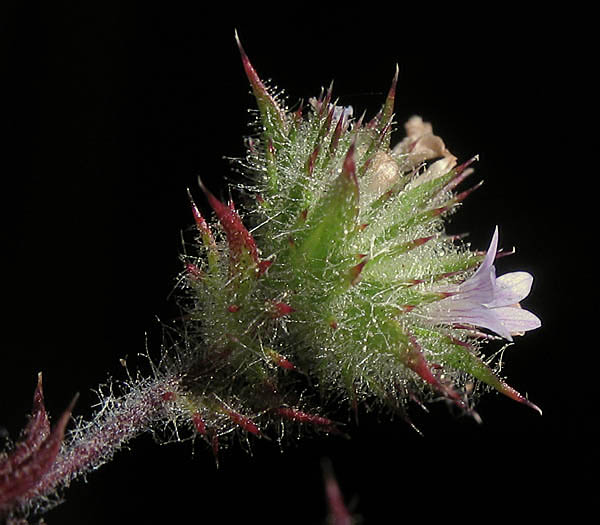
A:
[(93, 443)]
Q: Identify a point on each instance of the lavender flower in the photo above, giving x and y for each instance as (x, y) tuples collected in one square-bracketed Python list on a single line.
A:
[(487, 301)]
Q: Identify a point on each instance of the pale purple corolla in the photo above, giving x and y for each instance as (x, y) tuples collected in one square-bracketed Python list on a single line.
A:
[(487, 301)]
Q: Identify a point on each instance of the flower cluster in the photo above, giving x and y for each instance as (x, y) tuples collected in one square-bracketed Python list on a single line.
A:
[(335, 284)]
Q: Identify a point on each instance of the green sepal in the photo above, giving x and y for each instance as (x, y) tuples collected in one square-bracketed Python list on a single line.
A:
[(401, 211), (409, 353), (392, 252), (333, 219), (459, 355)]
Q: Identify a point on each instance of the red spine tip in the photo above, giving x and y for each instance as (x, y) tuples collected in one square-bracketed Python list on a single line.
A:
[(199, 423), (339, 128), (294, 414), (438, 211), (193, 271), (298, 113), (214, 441), (198, 218), (464, 194), (168, 396), (516, 396), (338, 512), (417, 363), (444, 295), (266, 102), (462, 167), (312, 159), (238, 237), (279, 360), (249, 69), (263, 266), (244, 422), (282, 309), (286, 364), (23, 469), (349, 167), (423, 240), (355, 272)]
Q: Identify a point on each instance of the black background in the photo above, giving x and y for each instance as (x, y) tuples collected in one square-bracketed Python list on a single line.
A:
[(110, 113)]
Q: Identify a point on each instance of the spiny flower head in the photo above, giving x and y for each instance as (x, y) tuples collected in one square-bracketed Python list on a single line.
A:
[(338, 283)]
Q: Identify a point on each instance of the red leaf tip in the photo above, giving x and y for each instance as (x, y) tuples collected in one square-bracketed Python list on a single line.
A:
[(266, 102), (243, 421), (23, 470), (238, 237), (349, 167), (338, 512), (281, 309)]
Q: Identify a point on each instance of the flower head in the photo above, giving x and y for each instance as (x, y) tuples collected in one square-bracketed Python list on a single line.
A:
[(487, 301), (360, 297)]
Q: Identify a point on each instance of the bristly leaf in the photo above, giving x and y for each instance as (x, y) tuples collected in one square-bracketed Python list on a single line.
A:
[(242, 247), (334, 217), (384, 125), (461, 356), (273, 117)]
